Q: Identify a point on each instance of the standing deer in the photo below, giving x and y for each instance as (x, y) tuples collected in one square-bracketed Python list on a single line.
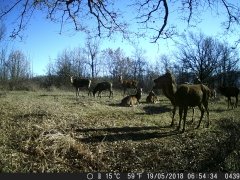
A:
[(126, 84), (102, 86), (80, 83), (230, 92), (184, 96)]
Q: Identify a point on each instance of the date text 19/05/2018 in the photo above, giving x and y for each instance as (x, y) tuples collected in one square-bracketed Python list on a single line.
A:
[(194, 176), (179, 176)]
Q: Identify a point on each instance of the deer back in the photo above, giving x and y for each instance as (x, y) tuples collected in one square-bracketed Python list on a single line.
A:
[(103, 86), (128, 83), (81, 82), (229, 91), (190, 95)]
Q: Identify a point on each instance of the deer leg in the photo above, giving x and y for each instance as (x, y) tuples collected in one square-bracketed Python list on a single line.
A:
[(206, 108), (202, 113), (89, 92), (236, 104), (184, 118), (110, 93), (77, 92), (180, 117), (192, 114), (174, 112), (231, 104), (229, 101)]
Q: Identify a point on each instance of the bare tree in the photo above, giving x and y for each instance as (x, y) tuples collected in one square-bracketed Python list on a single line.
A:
[(3, 54), (117, 62), (207, 60), (2, 31), (18, 66), (79, 62), (50, 74), (228, 66), (92, 51), (100, 14), (139, 65), (199, 55), (107, 17), (3, 67)]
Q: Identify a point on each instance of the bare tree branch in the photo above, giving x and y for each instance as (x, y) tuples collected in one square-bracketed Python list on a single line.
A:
[(22, 17), (149, 14), (10, 9), (231, 17), (103, 18), (164, 22)]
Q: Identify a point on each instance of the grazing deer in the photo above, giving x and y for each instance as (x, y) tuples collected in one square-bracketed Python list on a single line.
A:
[(126, 84), (230, 92), (132, 100), (80, 83), (151, 98), (184, 96), (102, 86)]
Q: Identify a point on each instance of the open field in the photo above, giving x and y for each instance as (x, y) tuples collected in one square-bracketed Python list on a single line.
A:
[(55, 132)]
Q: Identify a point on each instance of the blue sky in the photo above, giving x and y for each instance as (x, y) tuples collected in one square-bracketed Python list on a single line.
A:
[(42, 40)]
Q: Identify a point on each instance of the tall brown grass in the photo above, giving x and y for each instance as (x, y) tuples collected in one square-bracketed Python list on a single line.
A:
[(55, 132)]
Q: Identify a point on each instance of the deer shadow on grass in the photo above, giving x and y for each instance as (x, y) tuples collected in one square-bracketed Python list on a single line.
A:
[(156, 109), (125, 133)]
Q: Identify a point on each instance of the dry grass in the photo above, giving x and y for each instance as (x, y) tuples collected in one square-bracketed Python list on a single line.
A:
[(55, 132)]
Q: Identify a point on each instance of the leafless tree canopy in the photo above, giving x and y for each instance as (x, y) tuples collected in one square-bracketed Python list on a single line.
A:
[(108, 16), (207, 58)]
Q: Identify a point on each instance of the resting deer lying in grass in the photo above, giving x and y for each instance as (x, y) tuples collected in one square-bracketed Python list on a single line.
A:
[(102, 86), (127, 84), (132, 100), (151, 98), (80, 83), (230, 92), (184, 96)]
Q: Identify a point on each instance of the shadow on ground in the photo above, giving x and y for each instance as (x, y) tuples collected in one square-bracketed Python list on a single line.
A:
[(126, 133), (157, 109)]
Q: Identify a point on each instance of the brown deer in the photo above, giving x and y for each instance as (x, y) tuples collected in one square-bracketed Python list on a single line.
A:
[(184, 96), (151, 98), (126, 84), (230, 92), (80, 83), (102, 86), (132, 100)]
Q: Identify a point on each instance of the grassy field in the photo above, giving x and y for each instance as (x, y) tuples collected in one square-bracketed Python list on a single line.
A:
[(55, 132)]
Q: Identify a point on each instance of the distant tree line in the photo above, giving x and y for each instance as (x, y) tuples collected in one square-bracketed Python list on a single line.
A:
[(198, 59), (14, 69)]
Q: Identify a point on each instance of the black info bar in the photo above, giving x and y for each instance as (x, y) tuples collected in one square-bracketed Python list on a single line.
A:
[(123, 176)]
